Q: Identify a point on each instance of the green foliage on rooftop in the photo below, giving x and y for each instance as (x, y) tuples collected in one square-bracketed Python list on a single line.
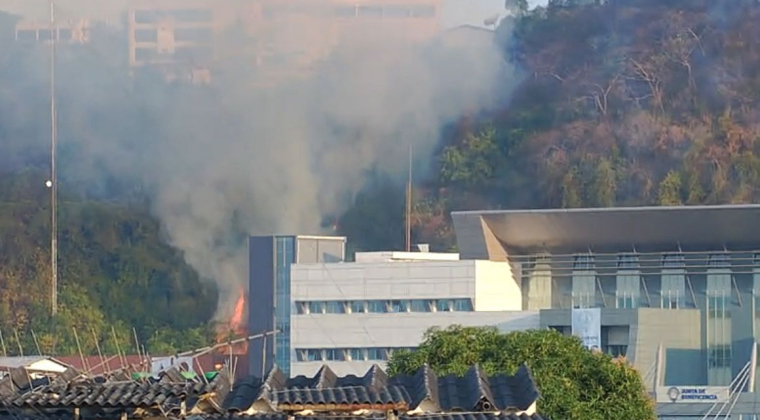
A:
[(575, 384)]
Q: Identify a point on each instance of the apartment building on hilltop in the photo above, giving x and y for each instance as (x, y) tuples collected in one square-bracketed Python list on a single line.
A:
[(272, 38), (74, 32)]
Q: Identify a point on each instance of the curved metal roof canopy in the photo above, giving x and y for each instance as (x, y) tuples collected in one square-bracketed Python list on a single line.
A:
[(494, 234)]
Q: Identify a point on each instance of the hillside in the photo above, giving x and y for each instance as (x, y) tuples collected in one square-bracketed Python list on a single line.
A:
[(621, 102), (115, 272), (630, 102)]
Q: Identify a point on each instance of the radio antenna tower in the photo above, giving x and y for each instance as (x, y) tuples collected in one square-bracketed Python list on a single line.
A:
[(53, 183)]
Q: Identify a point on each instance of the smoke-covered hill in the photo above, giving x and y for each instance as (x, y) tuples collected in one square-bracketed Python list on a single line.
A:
[(627, 102), (585, 103)]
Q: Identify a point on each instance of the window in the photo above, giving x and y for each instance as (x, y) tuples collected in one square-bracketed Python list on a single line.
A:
[(145, 54), (376, 306), (347, 11), (314, 355), (65, 34), (584, 282), (146, 16), (192, 15), (26, 35), (718, 307), (462, 305), (375, 353), (334, 307), (720, 356), (444, 305), (371, 11), (316, 307), (626, 302), (396, 11), (358, 307), (423, 11), (302, 355), (302, 308), (334, 355), (193, 53), (397, 306), (419, 305), (146, 35), (357, 354), (616, 350), (45, 35), (193, 35)]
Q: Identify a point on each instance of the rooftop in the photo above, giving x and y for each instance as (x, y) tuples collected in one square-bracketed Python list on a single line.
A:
[(398, 256), (495, 234), (274, 397)]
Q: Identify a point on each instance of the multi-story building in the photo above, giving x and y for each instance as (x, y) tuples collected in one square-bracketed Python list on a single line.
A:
[(74, 32), (354, 315), (684, 279), (270, 258), (280, 38)]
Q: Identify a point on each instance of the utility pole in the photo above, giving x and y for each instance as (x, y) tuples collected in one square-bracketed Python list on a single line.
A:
[(53, 176), (408, 227)]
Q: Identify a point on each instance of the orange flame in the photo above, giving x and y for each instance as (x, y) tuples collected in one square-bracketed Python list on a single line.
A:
[(236, 323), (236, 326)]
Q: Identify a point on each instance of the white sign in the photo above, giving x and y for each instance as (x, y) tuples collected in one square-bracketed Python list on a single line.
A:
[(587, 325), (692, 394), (160, 364)]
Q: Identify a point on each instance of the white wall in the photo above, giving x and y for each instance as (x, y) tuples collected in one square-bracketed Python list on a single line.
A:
[(384, 280), (385, 330), (496, 288)]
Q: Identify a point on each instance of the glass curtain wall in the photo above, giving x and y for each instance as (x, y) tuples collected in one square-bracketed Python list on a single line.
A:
[(719, 320), (584, 282), (673, 281), (285, 255), (628, 282)]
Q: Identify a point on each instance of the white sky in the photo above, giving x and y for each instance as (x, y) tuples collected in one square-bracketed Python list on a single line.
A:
[(455, 12)]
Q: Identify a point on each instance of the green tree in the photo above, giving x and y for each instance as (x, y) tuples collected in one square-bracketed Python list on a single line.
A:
[(575, 384), (669, 193), (474, 162)]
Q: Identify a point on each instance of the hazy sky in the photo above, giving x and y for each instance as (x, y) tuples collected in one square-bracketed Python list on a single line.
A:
[(455, 12)]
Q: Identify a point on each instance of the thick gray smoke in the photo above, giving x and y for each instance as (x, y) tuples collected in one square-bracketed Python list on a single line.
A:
[(232, 159)]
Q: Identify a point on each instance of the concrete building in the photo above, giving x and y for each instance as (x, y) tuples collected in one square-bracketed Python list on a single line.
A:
[(73, 32), (354, 315), (686, 279), (269, 307), (271, 39)]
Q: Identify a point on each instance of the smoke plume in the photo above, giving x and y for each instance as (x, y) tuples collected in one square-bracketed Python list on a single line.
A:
[(232, 159)]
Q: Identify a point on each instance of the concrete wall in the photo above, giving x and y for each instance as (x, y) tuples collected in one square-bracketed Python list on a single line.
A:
[(395, 280), (680, 332), (385, 330), (495, 287)]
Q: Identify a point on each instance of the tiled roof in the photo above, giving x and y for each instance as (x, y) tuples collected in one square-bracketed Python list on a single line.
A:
[(375, 390), (283, 416), (421, 396)]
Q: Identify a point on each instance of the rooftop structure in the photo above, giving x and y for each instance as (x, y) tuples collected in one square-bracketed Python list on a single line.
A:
[(325, 395)]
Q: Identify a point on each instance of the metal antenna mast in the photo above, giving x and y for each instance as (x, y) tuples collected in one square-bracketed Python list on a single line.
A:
[(408, 241), (53, 176)]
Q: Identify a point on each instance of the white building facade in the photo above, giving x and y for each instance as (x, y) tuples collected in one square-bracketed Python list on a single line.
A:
[(355, 315)]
